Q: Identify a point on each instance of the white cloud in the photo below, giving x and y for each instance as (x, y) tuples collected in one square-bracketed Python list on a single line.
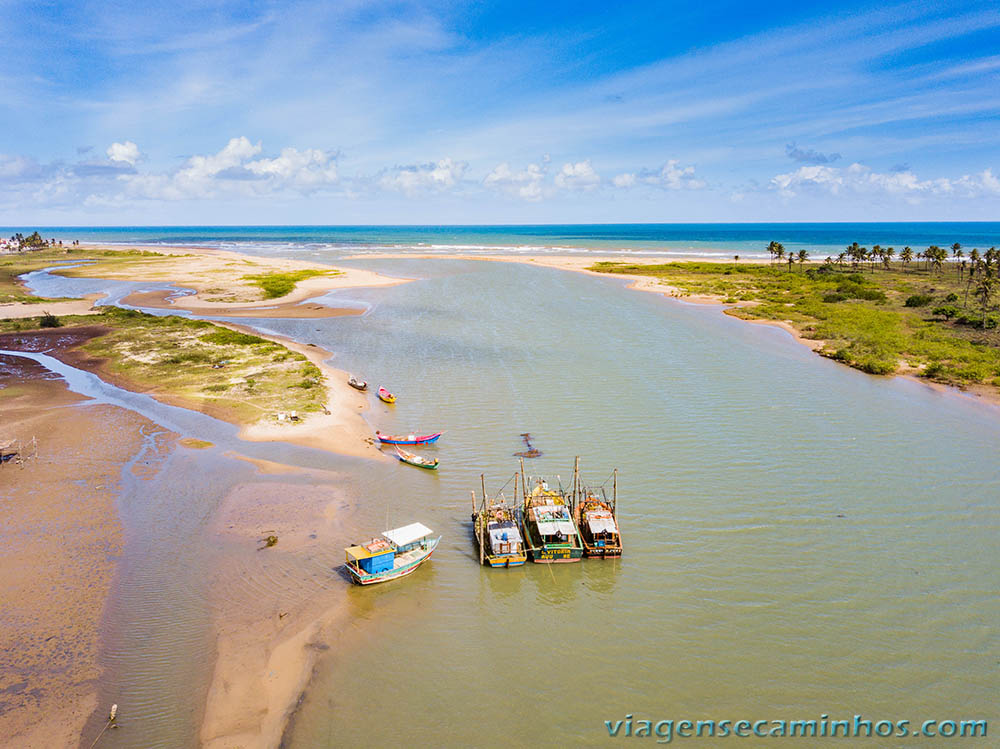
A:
[(127, 152), (578, 176), (234, 171), (417, 178), (858, 178), (526, 183), (670, 176)]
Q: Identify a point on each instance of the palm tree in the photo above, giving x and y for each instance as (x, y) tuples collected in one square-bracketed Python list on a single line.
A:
[(887, 254), (802, 257), (906, 256), (772, 249), (791, 259), (840, 259), (779, 250), (736, 259), (984, 291), (876, 255)]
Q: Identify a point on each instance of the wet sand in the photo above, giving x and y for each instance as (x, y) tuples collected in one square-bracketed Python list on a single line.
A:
[(62, 538), (267, 642)]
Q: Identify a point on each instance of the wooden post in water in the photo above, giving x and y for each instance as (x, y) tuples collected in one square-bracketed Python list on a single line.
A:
[(473, 494), (576, 481)]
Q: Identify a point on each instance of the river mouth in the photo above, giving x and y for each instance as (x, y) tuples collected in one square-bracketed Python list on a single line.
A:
[(794, 530)]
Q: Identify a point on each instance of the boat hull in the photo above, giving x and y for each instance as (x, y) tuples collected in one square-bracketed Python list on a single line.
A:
[(556, 556), (515, 560), (362, 578), (606, 552), (423, 440)]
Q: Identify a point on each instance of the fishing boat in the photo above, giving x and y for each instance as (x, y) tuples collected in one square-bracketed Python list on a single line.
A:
[(597, 518), (549, 531), (496, 531), (417, 460), (385, 395), (357, 384), (407, 439), (396, 554)]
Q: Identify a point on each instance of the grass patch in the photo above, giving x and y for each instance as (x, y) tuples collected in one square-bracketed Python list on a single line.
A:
[(870, 320), (231, 374), (276, 285)]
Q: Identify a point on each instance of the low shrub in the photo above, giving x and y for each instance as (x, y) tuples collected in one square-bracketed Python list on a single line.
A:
[(48, 320), (918, 300), (226, 337)]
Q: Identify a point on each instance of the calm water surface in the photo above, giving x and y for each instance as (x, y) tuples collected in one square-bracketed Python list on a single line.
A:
[(800, 538)]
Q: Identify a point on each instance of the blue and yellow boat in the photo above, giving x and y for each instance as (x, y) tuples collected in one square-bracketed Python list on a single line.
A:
[(396, 554)]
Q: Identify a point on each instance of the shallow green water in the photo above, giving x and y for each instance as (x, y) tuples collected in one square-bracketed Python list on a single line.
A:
[(800, 538)]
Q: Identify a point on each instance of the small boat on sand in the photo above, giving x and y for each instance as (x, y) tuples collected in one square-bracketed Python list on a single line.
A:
[(549, 531), (385, 396), (357, 384), (407, 439), (396, 554), (494, 525), (417, 460)]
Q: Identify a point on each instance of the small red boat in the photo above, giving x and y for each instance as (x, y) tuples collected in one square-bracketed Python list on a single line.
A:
[(385, 395), (407, 439)]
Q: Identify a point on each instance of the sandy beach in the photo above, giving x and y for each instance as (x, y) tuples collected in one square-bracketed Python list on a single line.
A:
[(266, 644), (59, 552)]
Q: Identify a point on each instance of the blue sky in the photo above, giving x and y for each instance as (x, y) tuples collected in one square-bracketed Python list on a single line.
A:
[(450, 112)]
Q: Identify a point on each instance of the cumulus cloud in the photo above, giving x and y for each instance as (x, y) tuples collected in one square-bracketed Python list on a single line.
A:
[(127, 152), (233, 170), (578, 176), (671, 176), (417, 178), (809, 156), (525, 184), (858, 178)]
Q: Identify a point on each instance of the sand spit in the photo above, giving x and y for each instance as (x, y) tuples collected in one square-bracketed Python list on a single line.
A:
[(268, 636), (21, 310), (62, 538), (218, 278)]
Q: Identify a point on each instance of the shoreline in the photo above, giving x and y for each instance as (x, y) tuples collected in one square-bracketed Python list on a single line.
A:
[(60, 561), (979, 394)]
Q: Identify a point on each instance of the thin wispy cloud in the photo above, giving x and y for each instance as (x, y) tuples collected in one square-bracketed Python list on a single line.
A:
[(405, 104)]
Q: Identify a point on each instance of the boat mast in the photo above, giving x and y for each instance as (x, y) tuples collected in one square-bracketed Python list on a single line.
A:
[(483, 519), (524, 486), (614, 494), (576, 481)]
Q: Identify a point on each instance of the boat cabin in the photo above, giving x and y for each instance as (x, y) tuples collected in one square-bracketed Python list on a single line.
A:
[(505, 538), (375, 556), (553, 522), (602, 526)]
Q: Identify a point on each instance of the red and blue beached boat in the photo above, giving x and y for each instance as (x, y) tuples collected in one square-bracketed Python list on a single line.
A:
[(407, 439)]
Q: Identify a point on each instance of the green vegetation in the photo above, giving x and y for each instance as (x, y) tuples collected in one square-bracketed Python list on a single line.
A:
[(14, 265), (204, 366), (48, 320), (277, 285), (869, 312)]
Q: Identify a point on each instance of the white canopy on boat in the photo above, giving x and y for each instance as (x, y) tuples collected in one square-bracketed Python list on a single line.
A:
[(408, 534), (601, 522), (505, 534), (552, 527)]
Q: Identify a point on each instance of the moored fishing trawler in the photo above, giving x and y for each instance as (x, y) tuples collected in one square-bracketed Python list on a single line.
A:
[(495, 527), (597, 518), (549, 531), (396, 554)]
